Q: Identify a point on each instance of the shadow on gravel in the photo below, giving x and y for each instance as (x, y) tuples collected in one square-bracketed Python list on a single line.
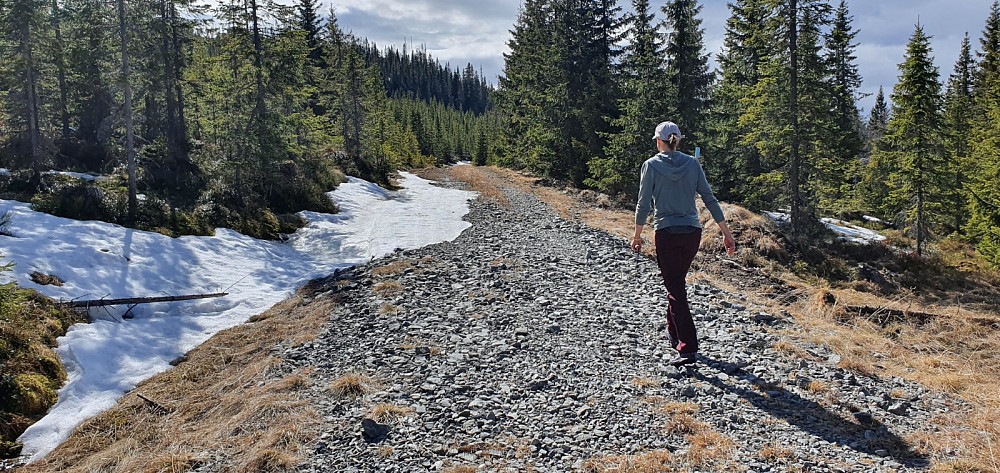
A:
[(868, 435)]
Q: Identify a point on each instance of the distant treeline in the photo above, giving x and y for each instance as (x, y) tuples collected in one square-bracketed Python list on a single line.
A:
[(230, 115), (584, 85), (414, 74)]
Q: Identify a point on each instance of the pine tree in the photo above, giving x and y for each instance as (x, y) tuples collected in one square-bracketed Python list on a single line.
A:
[(958, 103), (687, 67), (912, 141), (644, 103)]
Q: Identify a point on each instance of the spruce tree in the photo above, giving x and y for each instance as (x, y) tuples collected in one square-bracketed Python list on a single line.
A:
[(912, 139), (645, 102), (873, 192), (525, 95), (958, 109), (984, 184), (687, 68), (729, 164), (788, 114), (22, 22), (878, 118), (839, 172)]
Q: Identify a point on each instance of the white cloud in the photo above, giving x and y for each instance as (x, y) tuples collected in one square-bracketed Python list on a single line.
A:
[(462, 31)]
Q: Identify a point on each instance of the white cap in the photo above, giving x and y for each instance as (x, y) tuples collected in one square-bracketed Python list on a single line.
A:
[(665, 129)]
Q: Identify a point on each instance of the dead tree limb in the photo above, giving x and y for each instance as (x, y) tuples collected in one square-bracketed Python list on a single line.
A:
[(140, 300)]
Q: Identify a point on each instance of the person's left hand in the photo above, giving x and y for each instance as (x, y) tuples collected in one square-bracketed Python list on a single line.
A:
[(729, 243), (636, 244)]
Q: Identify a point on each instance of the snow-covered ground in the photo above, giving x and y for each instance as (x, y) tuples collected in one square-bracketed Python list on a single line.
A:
[(110, 356), (846, 231)]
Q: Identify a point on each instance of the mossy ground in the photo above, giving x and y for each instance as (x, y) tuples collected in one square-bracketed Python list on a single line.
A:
[(31, 371)]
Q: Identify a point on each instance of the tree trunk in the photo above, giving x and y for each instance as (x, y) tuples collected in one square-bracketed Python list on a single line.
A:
[(181, 125), (31, 95), (793, 168), (129, 131), (257, 61), (168, 82), (61, 73)]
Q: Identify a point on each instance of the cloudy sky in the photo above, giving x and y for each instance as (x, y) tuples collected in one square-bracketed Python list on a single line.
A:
[(476, 31)]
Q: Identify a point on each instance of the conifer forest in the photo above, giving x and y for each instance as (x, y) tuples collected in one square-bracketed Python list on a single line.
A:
[(243, 112), (584, 85)]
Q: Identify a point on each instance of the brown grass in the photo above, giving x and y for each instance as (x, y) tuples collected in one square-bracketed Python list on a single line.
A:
[(654, 461), (392, 269), (707, 447), (816, 386), (459, 469), (672, 408), (774, 452), (685, 424), (228, 399), (388, 288), (353, 384), (386, 413), (645, 382)]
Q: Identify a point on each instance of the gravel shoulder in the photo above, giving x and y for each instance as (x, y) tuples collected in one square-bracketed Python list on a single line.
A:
[(533, 343)]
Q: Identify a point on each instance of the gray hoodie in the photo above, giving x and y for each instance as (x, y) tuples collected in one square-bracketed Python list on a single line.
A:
[(668, 183)]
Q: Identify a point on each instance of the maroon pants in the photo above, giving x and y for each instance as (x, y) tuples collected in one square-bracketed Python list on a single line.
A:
[(674, 254)]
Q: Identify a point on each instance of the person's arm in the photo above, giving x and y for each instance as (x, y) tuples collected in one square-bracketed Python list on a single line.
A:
[(712, 203), (727, 238), (643, 207)]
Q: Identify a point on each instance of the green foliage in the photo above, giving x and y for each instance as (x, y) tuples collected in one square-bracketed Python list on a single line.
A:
[(557, 90), (642, 106), (917, 171), (984, 184), (728, 163), (687, 68)]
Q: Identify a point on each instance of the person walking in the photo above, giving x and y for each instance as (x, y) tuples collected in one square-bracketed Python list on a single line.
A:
[(667, 186)]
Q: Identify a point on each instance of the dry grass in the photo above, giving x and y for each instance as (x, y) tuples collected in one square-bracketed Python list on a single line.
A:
[(685, 424), (643, 382), (774, 453), (353, 384), (677, 408), (388, 309), (392, 269), (708, 447), (386, 413), (816, 386), (388, 288), (459, 469), (654, 461), (229, 398)]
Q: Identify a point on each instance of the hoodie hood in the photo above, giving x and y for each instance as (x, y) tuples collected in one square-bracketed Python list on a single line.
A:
[(674, 165)]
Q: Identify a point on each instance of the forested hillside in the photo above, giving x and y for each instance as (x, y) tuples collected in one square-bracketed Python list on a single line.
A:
[(778, 121), (231, 114)]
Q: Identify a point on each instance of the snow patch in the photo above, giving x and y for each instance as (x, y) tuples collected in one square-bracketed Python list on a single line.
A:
[(846, 231), (109, 357)]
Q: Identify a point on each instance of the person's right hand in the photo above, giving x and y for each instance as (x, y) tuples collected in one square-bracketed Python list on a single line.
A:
[(637, 244)]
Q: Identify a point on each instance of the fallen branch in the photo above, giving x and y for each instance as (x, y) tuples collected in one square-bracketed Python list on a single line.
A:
[(885, 315), (139, 300)]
